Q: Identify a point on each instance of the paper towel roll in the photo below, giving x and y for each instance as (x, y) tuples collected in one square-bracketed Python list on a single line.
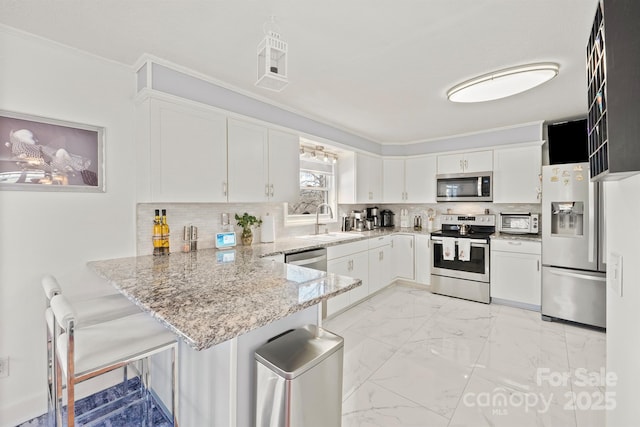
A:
[(267, 229)]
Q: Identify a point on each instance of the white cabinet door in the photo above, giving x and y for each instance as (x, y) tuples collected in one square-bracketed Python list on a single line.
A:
[(354, 265), (379, 268), (341, 266), (188, 153), (393, 174), (360, 270), (478, 161), (402, 255), (450, 163), (284, 166), (368, 179), (473, 161), (516, 175), (423, 259), (359, 179), (247, 145), (516, 277), (420, 179)]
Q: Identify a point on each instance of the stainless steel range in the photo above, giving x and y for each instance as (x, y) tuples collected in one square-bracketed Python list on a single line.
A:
[(460, 260)]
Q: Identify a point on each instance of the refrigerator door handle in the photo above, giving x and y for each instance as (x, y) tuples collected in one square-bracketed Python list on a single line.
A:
[(602, 227), (591, 242), (577, 275)]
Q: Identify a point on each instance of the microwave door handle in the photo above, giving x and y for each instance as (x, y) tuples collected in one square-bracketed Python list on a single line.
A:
[(479, 186), (591, 245)]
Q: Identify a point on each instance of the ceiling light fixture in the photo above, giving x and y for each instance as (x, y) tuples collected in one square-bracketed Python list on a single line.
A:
[(503, 83), (272, 58)]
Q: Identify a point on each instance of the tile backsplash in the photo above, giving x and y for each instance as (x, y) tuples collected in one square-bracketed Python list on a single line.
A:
[(208, 218)]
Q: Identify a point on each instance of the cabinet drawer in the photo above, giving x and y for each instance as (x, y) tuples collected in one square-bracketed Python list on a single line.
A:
[(520, 246), (376, 242), (347, 249)]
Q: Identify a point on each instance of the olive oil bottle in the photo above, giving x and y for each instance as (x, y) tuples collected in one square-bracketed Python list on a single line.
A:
[(157, 234), (165, 233)]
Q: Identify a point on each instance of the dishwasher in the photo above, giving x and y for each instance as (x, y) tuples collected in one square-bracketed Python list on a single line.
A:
[(312, 258)]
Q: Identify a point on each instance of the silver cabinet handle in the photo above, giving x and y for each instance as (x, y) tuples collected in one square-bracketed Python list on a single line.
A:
[(466, 164), (538, 264), (271, 190), (514, 243), (266, 190), (380, 256), (411, 243), (461, 165), (224, 188)]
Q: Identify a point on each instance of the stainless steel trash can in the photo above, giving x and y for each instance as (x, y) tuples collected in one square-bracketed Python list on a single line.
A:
[(299, 379)]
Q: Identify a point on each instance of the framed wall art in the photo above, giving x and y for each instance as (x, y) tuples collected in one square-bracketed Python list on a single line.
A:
[(43, 154)]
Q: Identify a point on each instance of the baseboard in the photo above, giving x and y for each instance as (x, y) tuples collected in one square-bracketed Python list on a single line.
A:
[(18, 412), (516, 304)]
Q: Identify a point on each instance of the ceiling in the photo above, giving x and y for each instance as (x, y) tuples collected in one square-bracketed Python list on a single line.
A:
[(379, 69)]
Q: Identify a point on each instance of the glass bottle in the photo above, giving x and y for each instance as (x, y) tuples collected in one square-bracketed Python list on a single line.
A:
[(165, 233), (157, 234)]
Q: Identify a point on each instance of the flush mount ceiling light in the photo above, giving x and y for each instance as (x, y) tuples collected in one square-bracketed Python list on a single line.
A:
[(272, 59), (503, 83)]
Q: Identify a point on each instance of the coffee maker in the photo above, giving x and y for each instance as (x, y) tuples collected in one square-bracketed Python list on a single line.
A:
[(387, 218), (373, 215)]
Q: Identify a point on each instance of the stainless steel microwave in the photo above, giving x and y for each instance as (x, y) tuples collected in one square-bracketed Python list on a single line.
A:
[(465, 187)]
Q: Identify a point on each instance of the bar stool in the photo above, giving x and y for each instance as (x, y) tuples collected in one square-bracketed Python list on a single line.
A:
[(90, 311), (86, 352)]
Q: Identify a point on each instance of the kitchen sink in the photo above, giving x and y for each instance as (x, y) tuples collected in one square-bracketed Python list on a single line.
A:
[(330, 237)]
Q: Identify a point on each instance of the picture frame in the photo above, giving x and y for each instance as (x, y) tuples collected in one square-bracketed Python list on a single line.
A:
[(45, 154)]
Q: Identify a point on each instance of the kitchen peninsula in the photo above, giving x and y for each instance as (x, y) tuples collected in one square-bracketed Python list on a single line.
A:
[(223, 304)]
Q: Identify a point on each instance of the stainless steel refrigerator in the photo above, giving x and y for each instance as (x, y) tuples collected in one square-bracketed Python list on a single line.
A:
[(573, 245)]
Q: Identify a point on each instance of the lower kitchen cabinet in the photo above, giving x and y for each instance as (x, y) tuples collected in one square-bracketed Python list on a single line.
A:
[(379, 263), (516, 272), (402, 256), (423, 259), (351, 259)]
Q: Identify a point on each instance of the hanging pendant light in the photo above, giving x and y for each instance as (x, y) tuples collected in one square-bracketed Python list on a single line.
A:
[(272, 59)]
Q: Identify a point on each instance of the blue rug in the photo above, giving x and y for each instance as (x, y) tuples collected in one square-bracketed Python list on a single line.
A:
[(112, 408)]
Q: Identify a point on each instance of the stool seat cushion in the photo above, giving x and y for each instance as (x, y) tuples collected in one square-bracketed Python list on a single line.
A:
[(98, 310), (107, 343)]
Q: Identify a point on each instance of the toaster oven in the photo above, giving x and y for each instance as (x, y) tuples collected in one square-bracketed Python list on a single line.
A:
[(519, 223)]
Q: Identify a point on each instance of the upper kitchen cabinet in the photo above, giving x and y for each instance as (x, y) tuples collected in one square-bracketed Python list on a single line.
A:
[(473, 161), (182, 152), (284, 166), (411, 180), (264, 163), (613, 90), (248, 157), (516, 174), (360, 178)]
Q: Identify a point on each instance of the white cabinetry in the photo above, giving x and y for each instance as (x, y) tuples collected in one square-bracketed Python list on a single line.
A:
[(423, 259), (474, 161), (516, 174), (379, 263), (284, 166), (516, 272), (350, 259), (402, 256), (360, 178), (263, 163), (411, 180), (187, 152)]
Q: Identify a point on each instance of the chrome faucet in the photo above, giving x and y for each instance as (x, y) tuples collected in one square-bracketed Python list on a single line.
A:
[(318, 216)]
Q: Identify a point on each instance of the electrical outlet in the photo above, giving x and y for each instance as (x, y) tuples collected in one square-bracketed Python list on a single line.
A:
[(4, 367)]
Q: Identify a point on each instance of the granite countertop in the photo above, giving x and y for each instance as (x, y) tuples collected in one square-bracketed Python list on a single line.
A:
[(207, 299), (507, 236)]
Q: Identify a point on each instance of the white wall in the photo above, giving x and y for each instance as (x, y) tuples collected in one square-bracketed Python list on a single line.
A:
[(59, 232), (623, 313)]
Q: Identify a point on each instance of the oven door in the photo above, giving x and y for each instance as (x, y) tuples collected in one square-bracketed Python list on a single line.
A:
[(477, 268)]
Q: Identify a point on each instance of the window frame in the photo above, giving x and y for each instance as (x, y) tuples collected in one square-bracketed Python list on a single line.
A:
[(304, 219)]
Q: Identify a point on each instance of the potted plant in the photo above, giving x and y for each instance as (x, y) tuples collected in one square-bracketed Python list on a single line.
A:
[(246, 221)]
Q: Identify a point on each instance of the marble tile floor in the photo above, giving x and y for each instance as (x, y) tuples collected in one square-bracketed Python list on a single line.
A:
[(122, 411), (417, 359)]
